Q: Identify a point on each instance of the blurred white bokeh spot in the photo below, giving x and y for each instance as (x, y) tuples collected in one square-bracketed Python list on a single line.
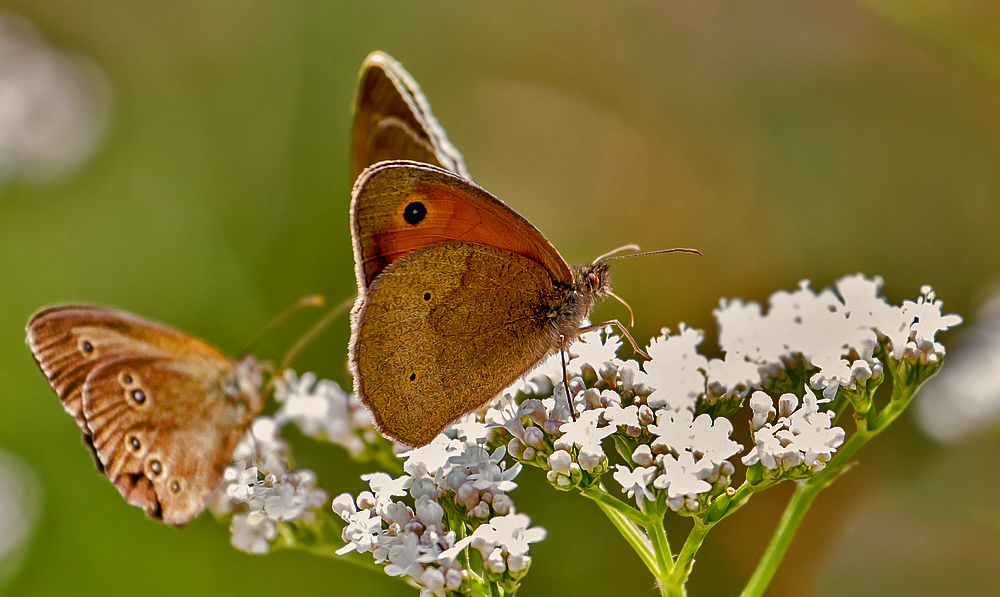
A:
[(965, 396), (20, 506), (54, 105)]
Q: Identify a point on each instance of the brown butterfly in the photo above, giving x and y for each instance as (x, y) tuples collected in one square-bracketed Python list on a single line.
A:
[(160, 410), (393, 121), (458, 295)]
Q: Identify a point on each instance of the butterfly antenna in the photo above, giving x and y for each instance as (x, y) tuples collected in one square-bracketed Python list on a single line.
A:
[(314, 331), (631, 316), (607, 256), (632, 247), (316, 300)]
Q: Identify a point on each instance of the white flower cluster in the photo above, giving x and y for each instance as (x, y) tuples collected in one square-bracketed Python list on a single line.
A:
[(323, 409), (834, 331), (801, 435), (259, 479), (446, 478), (687, 456), (684, 456)]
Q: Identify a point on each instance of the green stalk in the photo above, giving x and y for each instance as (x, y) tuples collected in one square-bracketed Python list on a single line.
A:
[(803, 497), (633, 534), (673, 585), (661, 545), (601, 496)]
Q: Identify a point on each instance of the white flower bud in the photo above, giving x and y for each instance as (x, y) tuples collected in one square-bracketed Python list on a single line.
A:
[(518, 562), (430, 512), (502, 504), (592, 396), (343, 505), (861, 370), (642, 455), (560, 461), (763, 410), (495, 561), (467, 495), (646, 415), (534, 437), (515, 448), (590, 459), (787, 404), (453, 579), (366, 500), (433, 582)]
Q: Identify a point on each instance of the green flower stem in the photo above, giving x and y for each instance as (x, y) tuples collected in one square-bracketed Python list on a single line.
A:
[(803, 497), (630, 531), (902, 393), (868, 427), (798, 505), (673, 584), (658, 536), (601, 496)]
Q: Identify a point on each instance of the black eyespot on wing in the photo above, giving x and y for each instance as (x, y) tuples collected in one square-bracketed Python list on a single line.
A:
[(427, 296), (414, 213), (156, 467), (175, 486), (138, 395), (87, 346), (413, 377), (135, 443)]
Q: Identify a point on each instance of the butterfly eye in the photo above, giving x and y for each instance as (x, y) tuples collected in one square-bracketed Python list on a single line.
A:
[(415, 212), (593, 277)]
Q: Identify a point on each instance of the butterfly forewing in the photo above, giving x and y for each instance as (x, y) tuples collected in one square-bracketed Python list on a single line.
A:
[(160, 410), (401, 206), (68, 341), (393, 121)]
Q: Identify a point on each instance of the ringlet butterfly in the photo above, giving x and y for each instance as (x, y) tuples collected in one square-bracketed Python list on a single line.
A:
[(161, 411), (458, 295)]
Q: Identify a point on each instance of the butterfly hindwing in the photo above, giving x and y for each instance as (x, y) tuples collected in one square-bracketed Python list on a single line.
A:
[(416, 335), (161, 410)]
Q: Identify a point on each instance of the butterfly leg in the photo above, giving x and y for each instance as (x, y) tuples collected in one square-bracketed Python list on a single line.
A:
[(624, 332), (562, 361)]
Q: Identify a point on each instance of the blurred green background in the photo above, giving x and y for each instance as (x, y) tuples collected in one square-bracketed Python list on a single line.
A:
[(786, 140)]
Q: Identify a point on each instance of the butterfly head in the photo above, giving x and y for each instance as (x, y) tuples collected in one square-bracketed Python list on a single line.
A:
[(594, 280), (243, 383)]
